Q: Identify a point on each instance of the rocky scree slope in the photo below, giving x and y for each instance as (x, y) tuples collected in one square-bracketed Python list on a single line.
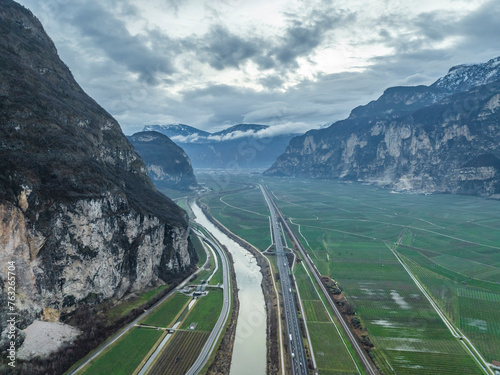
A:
[(439, 138), (78, 214), (167, 164)]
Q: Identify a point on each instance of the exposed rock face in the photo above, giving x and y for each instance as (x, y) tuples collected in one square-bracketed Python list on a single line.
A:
[(167, 164), (78, 214), (441, 138)]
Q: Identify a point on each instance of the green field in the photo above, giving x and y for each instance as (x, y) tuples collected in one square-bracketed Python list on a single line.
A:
[(244, 213), (451, 243), (164, 314), (332, 356), (205, 273), (200, 251), (124, 357), (206, 311), (217, 276)]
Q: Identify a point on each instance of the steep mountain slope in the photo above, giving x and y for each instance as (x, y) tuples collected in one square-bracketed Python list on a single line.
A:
[(242, 146), (440, 138), (167, 164), (78, 214)]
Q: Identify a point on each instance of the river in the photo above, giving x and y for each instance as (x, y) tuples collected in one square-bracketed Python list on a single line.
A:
[(249, 352)]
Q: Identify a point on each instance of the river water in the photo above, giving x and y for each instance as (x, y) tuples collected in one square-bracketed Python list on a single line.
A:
[(249, 352)]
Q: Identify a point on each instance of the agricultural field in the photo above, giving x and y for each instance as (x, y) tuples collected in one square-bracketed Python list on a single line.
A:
[(205, 312), (449, 243), (164, 315), (332, 356), (244, 213), (180, 353), (126, 355)]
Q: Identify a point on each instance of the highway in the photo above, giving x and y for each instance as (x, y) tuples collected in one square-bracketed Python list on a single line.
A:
[(297, 353), (367, 363), (216, 332)]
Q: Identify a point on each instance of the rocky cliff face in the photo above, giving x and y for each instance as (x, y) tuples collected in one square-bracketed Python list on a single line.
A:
[(78, 214), (167, 164), (439, 138)]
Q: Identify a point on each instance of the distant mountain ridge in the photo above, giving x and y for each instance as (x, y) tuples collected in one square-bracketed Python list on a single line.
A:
[(241, 146), (439, 138), (178, 130), (188, 134), (167, 163)]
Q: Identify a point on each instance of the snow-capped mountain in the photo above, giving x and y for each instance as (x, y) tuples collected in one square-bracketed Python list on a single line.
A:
[(245, 146), (466, 76), (400, 100), (179, 132)]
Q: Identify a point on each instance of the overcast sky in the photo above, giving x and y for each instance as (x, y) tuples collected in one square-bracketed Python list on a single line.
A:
[(215, 63)]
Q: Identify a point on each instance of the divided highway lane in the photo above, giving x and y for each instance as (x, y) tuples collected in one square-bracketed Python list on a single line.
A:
[(216, 332), (367, 364), (297, 353)]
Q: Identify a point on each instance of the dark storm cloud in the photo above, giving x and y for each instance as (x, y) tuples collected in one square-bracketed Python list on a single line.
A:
[(222, 104), (304, 33), (272, 82), (310, 103), (481, 29), (101, 25), (112, 37), (222, 49)]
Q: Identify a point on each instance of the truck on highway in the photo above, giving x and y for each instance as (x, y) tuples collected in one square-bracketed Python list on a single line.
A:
[(290, 337)]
